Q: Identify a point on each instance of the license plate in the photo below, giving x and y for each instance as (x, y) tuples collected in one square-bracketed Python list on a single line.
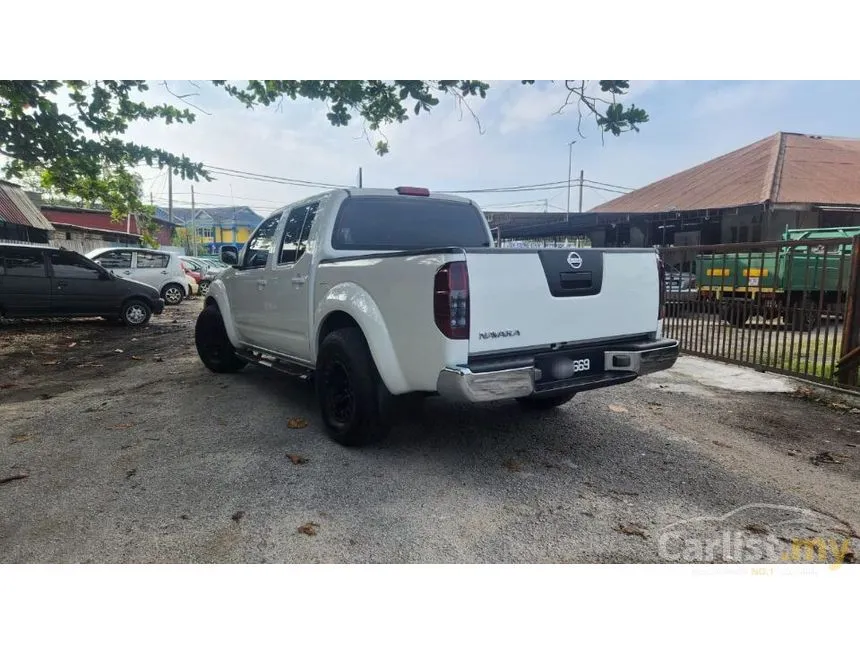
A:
[(581, 365)]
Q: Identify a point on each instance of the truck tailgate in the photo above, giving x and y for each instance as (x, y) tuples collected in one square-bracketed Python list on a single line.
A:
[(528, 298)]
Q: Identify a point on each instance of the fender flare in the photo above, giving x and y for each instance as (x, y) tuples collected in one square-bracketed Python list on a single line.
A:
[(351, 299), (218, 294)]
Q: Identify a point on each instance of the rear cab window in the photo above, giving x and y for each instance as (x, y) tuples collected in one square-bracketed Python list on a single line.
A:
[(403, 223)]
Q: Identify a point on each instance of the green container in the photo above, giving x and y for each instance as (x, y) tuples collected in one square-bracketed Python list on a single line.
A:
[(736, 271), (802, 268)]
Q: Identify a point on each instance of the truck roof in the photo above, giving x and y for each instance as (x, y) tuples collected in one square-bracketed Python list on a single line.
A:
[(392, 192)]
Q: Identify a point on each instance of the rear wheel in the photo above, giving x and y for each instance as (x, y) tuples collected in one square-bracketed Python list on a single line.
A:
[(173, 293), (213, 345), (136, 313), (545, 402), (204, 288), (353, 400)]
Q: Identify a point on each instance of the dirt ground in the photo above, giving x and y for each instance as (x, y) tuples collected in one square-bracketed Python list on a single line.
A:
[(142, 455)]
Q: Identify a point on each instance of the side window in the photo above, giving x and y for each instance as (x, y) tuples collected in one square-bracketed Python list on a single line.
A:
[(24, 263), (68, 265), (261, 243), (147, 260), (115, 260), (296, 233)]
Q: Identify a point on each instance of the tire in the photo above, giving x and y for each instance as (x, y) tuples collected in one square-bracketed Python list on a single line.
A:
[(173, 293), (213, 345), (805, 318), (135, 313), (354, 402), (733, 315), (204, 288), (545, 402)]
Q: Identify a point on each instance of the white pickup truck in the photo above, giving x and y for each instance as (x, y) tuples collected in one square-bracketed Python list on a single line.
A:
[(382, 293)]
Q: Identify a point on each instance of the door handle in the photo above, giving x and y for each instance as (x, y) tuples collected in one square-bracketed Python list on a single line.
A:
[(299, 280), (127, 272), (261, 284)]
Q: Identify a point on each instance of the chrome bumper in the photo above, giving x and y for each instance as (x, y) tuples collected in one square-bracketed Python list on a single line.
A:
[(620, 364)]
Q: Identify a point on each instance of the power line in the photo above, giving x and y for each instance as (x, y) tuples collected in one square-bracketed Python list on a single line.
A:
[(250, 199), (243, 174), (543, 186)]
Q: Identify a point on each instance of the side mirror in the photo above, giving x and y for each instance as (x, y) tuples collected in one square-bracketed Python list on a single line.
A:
[(105, 275), (230, 255)]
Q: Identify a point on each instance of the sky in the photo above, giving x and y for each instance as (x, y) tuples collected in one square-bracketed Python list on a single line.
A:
[(524, 141)]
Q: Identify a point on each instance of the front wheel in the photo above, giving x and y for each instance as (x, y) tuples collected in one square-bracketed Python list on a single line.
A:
[(545, 402), (213, 345), (353, 400), (136, 313)]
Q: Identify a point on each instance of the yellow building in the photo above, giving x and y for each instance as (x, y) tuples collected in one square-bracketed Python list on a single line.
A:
[(215, 226)]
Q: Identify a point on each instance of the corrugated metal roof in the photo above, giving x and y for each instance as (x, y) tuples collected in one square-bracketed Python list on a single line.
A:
[(87, 218), (785, 168), (16, 208)]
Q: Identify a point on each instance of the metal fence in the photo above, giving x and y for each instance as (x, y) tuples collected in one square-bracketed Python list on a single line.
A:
[(791, 307)]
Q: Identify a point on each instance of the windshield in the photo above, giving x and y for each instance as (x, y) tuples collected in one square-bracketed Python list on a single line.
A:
[(402, 223)]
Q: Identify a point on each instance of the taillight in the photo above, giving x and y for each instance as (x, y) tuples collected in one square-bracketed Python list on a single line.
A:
[(661, 287), (451, 300)]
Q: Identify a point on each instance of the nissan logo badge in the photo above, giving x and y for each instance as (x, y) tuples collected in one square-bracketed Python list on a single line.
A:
[(574, 260)]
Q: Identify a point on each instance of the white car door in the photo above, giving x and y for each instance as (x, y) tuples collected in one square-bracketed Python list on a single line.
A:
[(151, 268), (245, 287), (287, 292)]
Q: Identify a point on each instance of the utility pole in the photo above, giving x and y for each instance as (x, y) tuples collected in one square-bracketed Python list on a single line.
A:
[(581, 180), (193, 225), (569, 170), (360, 178), (170, 194)]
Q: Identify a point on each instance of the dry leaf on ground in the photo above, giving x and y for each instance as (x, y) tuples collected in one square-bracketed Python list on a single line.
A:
[(297, 459), (123, 426), (296, 423), (310, 528), (617, 408), (632, 529)]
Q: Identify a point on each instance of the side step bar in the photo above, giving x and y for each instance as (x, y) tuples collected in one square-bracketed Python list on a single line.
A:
[(302, 372)]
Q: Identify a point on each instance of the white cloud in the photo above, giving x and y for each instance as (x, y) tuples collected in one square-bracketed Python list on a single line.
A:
[(531, 106), (740, 97)]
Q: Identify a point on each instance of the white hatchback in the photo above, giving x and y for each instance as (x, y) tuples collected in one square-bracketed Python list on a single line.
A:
[(160, 269)]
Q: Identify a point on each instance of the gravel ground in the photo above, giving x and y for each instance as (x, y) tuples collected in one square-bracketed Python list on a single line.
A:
[(144, 456)]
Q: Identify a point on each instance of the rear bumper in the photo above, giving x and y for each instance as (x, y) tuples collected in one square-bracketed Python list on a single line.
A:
[(621, 363)]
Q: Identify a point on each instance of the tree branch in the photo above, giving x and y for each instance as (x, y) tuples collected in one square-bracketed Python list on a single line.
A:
[(184, 97)]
